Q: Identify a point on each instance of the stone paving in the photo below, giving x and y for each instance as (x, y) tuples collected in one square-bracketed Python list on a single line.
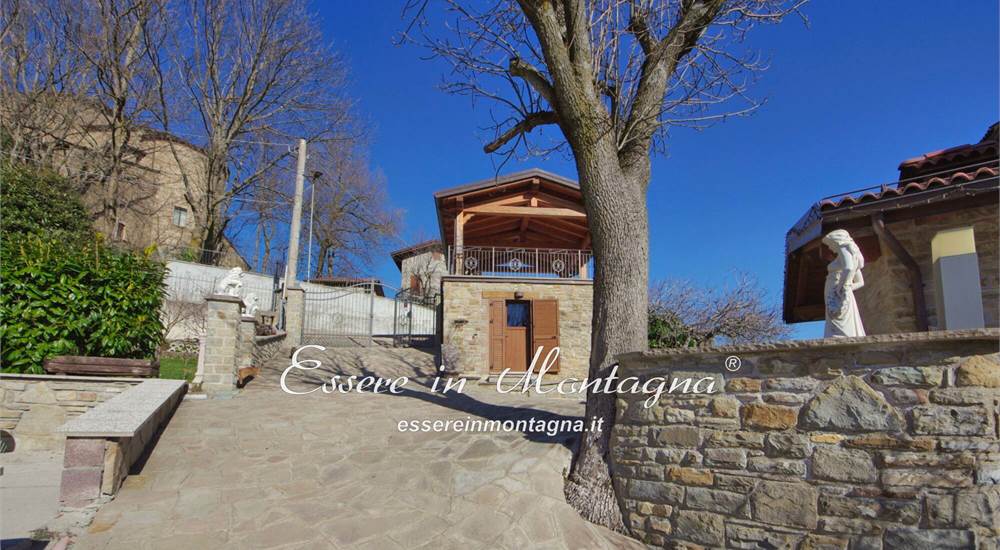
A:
[(29, 492), (267, 469)]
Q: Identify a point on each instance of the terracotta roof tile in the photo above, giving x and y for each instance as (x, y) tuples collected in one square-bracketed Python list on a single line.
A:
[(908, 187)]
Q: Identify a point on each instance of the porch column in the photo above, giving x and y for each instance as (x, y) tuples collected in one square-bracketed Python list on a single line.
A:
[(459, 242), (583, 257)]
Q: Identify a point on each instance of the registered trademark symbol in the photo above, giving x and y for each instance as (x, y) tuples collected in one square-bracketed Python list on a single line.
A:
[(733, 363)]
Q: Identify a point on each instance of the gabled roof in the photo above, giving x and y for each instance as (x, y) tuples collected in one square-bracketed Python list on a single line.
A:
[(509, 178), (499, 213), (399, 255)]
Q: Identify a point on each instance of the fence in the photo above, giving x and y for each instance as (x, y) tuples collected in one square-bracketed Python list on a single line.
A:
[(345, 315), (495, 261)]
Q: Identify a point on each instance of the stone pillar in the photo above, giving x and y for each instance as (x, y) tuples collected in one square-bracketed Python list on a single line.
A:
[(83, 471), (222, 340), (294, 317)]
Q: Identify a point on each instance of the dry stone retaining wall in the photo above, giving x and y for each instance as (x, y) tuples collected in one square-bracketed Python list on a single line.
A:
[(34, 405), (266, 347), (882, 442)]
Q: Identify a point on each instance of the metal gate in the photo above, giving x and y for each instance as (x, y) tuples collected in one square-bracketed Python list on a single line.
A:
[(341, 316), (358, 315), (414, 319)]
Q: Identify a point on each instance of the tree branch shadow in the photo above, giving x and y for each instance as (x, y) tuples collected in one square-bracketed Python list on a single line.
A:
[(304, 380)]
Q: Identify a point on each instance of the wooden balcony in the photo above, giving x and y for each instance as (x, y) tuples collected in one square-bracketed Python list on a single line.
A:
[(542, 263)]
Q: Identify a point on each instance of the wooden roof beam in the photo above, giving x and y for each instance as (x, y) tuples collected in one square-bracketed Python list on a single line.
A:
[(528, 211)]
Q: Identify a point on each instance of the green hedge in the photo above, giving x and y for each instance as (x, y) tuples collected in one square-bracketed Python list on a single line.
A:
[(64, 293), (39, 202)]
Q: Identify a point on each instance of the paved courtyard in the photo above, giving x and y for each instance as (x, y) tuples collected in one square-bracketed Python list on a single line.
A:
[(267, 469)]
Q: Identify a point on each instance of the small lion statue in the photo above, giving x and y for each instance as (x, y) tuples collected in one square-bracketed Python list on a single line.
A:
[(231, 284), (252, 304)]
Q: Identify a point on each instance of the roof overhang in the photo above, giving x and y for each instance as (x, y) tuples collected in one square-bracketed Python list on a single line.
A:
[(530, 209), (806, 258)]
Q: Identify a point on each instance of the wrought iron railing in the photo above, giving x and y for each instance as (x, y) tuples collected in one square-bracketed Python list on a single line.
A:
[(493, 261)]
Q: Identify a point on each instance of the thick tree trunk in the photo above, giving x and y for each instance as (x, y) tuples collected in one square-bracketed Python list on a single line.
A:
[(616, 208)]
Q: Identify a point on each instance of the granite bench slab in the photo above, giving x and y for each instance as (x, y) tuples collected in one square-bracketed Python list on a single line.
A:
[(124, 414)]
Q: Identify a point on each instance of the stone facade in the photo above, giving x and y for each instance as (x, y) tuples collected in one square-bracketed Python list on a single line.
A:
[(879, 442), (34, 405), (426, 269), (886, 301), (465, 341)]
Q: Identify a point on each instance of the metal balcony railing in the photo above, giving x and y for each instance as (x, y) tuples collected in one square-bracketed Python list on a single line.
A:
[(493, 261)]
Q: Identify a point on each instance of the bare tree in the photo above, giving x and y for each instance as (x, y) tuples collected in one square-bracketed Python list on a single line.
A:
[(78, 90), (613, 76), (255, 74), (682, 314), (353, 223), (38, 70)]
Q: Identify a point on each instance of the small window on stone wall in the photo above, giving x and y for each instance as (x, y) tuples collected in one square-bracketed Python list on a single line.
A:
[(180, 216)]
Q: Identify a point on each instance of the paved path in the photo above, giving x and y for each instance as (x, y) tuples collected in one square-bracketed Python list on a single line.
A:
[(267, 469), (29, 492)]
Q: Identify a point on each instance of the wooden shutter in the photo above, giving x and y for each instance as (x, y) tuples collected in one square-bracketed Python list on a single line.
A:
[(498, 320), (544, 329)]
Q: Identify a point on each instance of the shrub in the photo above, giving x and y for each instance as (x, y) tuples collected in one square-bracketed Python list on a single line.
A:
[(61, 298), (38, 202)]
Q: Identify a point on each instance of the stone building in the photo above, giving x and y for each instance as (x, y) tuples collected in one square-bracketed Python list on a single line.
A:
[(929, 240), (518, 265), (421, 267), (159, 198)]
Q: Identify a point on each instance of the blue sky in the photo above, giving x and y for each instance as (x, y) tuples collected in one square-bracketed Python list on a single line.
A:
[(865, 86)]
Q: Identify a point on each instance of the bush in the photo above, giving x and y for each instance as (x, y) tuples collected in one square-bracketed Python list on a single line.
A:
[(60, 298), (38, 202), (667, 330)]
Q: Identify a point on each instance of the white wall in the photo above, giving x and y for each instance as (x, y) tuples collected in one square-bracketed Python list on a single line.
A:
[(191, 282)]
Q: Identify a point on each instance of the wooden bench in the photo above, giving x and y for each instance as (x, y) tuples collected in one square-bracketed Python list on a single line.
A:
[(102, 366), (103, 443)]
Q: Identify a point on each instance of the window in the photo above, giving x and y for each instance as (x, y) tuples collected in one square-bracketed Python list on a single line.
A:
[(415, 283), (517, 314), (119, 232), (180, 216)]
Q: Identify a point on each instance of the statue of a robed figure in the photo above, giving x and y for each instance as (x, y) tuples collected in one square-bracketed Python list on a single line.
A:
[(843, 277)]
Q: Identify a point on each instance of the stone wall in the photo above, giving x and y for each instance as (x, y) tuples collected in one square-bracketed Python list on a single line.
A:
[(865, 443), (266, 347), (466, 322), (34, 405), (886, 302)]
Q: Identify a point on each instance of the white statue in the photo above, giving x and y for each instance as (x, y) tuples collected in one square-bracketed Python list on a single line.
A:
[(252, 304), (843, 277), (231, 284)]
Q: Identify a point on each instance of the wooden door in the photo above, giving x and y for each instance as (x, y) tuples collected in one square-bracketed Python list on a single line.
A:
[(515, 348), (516, 335), (498, 320), (545, 330)]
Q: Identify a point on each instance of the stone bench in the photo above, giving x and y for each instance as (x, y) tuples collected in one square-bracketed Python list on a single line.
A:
[(105, 442)]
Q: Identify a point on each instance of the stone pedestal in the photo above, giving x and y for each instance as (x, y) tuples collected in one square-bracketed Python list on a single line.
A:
[(222, 343), (294, 317)]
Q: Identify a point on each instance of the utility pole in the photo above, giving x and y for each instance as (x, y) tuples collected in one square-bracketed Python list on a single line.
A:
[(291, 268), (312, 212)]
